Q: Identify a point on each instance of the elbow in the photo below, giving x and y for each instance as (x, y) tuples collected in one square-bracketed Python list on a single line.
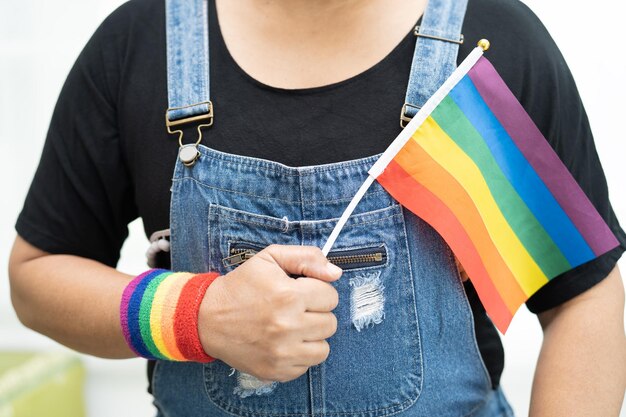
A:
[(21, 255), (22, 312), (18, 297)]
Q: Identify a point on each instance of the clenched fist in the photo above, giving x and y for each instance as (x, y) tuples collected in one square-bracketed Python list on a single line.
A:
[(260, 321)]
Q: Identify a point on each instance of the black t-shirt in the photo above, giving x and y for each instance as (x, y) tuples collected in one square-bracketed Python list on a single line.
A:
[(108, 159)]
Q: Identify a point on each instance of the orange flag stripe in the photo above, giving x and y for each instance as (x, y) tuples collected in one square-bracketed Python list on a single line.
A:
[(419, 164), (426, 205)]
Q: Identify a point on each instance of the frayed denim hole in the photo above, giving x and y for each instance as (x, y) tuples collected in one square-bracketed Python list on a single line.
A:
[(248, 385), (367, 300)]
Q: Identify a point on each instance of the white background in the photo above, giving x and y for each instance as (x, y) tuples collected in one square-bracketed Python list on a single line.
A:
[(39, 41)]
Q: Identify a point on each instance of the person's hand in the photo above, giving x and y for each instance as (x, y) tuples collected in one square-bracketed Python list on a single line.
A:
[(260, 321)]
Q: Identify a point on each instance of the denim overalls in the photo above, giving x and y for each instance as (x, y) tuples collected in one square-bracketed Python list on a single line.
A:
[(405, 341)]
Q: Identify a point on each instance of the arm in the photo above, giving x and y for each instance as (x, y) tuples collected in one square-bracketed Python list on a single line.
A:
[(76, 301), (70, 299), (581, 369)]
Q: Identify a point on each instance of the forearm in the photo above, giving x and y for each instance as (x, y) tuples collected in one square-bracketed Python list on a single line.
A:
[(72, 300), (582, 365)]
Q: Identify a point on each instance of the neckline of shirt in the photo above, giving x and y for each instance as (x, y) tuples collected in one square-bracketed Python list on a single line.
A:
[(406, 42)]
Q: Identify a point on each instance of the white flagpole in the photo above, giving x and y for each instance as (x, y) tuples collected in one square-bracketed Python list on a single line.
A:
[(347, 212), (405, 135)]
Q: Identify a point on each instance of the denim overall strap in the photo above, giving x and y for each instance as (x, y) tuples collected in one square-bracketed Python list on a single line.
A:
[(187, 28), (438, 39)]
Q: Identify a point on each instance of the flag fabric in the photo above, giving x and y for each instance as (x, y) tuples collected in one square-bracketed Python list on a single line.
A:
[(474, 166)]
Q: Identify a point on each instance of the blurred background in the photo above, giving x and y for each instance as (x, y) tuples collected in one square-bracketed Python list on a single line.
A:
[(39, 41)]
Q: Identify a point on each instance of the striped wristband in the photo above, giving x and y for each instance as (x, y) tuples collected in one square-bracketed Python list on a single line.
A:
[(159, 314)]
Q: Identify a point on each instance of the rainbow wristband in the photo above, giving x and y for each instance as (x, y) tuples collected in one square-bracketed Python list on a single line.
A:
[(159, 314)]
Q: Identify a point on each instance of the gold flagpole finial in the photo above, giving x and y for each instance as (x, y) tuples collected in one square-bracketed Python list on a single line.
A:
[(484, 43)]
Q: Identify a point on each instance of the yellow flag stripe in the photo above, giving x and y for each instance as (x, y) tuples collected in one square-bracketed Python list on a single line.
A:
[(452, 158)]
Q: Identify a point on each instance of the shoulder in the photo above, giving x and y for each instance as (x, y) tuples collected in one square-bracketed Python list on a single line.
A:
[(128, 26), (506, 20), (521, 44), (525, 55), (131, 32), (134, 12)]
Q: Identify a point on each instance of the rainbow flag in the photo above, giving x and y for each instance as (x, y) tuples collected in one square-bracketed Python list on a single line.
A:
[(474, 166)]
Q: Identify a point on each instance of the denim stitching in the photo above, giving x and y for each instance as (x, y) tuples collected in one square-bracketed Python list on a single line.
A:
[(232, 191), (266, 164), (421, 365), (338, 200), (271, 222), (470, 323), (317, 229)]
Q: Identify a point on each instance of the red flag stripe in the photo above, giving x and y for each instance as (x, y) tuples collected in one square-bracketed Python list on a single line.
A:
[(417, 163), (427, 206)]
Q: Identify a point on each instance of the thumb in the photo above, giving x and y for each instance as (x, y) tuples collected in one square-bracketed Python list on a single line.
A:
[(308, 261)]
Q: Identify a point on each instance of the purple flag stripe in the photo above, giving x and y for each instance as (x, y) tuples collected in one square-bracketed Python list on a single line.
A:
[(542, 157)]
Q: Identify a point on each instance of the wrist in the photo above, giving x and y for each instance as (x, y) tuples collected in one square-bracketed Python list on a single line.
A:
[(208, 319), (159, 315)]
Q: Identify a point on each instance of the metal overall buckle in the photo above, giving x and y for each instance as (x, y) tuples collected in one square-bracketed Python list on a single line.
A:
[(417, 33), (189, 153), (404, 119)]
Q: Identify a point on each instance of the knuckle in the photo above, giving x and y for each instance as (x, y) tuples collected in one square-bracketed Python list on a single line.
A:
[(324, 351), (316, 252), (285, 295), (278, 326), (334, 323), (335, 298), (273, 248), (329, 295), (310, 255), (278, 354), (302, 267)]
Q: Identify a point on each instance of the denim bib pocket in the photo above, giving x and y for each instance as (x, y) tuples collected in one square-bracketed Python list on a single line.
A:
[(375, 363)]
